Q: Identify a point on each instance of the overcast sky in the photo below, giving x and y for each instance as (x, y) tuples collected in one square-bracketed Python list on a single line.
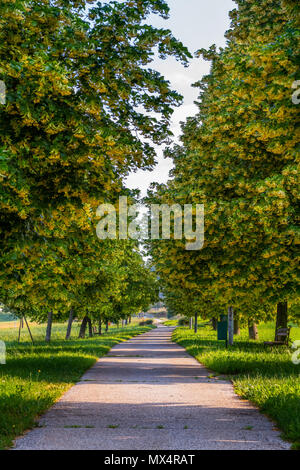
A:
[(197, 23)]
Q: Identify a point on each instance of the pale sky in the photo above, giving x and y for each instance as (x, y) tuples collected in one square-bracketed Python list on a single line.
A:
[(198, 24)]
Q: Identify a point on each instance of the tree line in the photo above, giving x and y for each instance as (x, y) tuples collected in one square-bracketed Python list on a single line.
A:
[(239, 156), (83, 108)]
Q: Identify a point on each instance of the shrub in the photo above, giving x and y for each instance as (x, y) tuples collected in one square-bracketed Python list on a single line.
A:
[(183, 322), (146, 322)]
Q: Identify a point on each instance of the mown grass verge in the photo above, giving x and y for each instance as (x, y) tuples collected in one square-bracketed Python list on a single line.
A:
[(171, 323), (265, 376), (34, 377)]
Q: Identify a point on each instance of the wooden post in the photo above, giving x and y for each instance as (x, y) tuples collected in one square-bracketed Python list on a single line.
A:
[(230, 326), (20, 326), (196, 323), (28, 329)]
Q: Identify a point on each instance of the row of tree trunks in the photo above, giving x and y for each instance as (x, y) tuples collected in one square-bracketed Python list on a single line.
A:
[(281, 322), (233, 324), (86, 322)]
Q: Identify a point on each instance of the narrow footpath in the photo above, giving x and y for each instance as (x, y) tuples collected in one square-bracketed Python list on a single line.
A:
[(148, 393)]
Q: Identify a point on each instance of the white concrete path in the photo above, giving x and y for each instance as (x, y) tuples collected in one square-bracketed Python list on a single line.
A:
[(148, 393)]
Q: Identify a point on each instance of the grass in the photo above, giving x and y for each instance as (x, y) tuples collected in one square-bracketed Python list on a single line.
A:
[(171, 323), (34, 377), (265, 376)]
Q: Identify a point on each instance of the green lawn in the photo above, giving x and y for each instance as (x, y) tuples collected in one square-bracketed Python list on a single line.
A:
[(34, 377), (171, 323), (265, 376)]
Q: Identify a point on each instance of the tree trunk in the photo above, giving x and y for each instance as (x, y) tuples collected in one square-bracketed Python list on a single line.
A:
[(106, 326), (214, 324), (49, 327), (129, 320), (252, 327), (230, 325), (282, 317), (100, 327), (236, 328), (191, 323), (69, 328), (196, 323), (83, 327), (122, 323), (89, 322)]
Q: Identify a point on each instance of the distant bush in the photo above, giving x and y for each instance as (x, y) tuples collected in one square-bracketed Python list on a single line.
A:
[(146, 322), (183, 322)]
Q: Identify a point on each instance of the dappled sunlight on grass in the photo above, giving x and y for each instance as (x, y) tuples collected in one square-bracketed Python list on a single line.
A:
[(35, 376), (266, 376)]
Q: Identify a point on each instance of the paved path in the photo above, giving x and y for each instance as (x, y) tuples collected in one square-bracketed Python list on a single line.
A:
[(148, 393)]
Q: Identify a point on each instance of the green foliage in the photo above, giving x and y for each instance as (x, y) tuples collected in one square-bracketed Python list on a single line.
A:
[(146, 323), (239, 157), (183, 322), (70, 132)]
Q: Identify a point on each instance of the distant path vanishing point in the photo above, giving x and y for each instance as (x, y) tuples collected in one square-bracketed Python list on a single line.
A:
[(148, 393)]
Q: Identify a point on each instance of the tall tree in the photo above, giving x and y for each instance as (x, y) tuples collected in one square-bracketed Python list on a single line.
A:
[(70, 131), (239, 158)]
